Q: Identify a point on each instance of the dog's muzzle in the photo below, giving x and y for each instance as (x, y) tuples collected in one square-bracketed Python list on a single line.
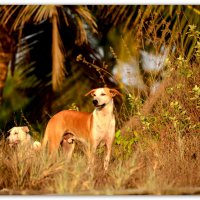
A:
[(13, 143), (95, 102)]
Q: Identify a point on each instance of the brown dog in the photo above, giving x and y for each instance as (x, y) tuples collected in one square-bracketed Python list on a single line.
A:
[(89, 128)]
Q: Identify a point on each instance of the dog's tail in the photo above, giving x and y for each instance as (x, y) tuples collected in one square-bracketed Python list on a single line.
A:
[(45, 140), (36, 146)]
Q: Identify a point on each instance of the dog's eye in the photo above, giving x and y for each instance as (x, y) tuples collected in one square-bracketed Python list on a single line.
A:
[(94, 95), (15, 133), (103, 94)]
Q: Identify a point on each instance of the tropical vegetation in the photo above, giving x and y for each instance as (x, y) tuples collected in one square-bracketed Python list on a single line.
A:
[(51, 55)]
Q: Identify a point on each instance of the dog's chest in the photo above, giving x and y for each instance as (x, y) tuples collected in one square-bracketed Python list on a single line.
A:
[(103, 126)]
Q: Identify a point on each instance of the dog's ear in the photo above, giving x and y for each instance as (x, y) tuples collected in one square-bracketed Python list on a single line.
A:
[(10, 130), (90, 92), (114, 92), (25, 129)]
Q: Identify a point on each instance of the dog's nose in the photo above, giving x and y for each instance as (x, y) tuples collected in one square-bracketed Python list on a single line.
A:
[(95, 102)]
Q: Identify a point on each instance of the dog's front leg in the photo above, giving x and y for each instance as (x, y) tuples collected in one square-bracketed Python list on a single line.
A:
[(108, 153), (91, 154), (109, 141)]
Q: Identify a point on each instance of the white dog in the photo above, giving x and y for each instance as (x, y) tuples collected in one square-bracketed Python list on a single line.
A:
[(20, 136)]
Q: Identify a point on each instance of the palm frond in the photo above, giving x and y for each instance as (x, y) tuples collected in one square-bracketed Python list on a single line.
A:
[(58, 73), (35, 14), (85, 14), (144, 22), (81, 32)]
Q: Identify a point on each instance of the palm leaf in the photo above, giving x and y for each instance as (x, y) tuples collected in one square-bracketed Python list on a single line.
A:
[(36, 14), (58, 68), (135, 21)]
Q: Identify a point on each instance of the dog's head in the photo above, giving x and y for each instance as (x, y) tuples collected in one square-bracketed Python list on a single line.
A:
[(102, 96), (18, 135)]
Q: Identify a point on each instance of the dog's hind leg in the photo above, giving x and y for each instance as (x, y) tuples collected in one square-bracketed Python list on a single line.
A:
[(68, 145)]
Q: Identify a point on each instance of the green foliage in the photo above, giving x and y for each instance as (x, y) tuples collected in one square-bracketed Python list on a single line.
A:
[(122, 32), (14, 101), (196, 95), (73, 106), (195, 34), (133, 103), (126, 143)]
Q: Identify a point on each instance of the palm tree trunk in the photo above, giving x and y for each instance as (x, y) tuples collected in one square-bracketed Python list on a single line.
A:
[(5, 57), (3, 76)]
